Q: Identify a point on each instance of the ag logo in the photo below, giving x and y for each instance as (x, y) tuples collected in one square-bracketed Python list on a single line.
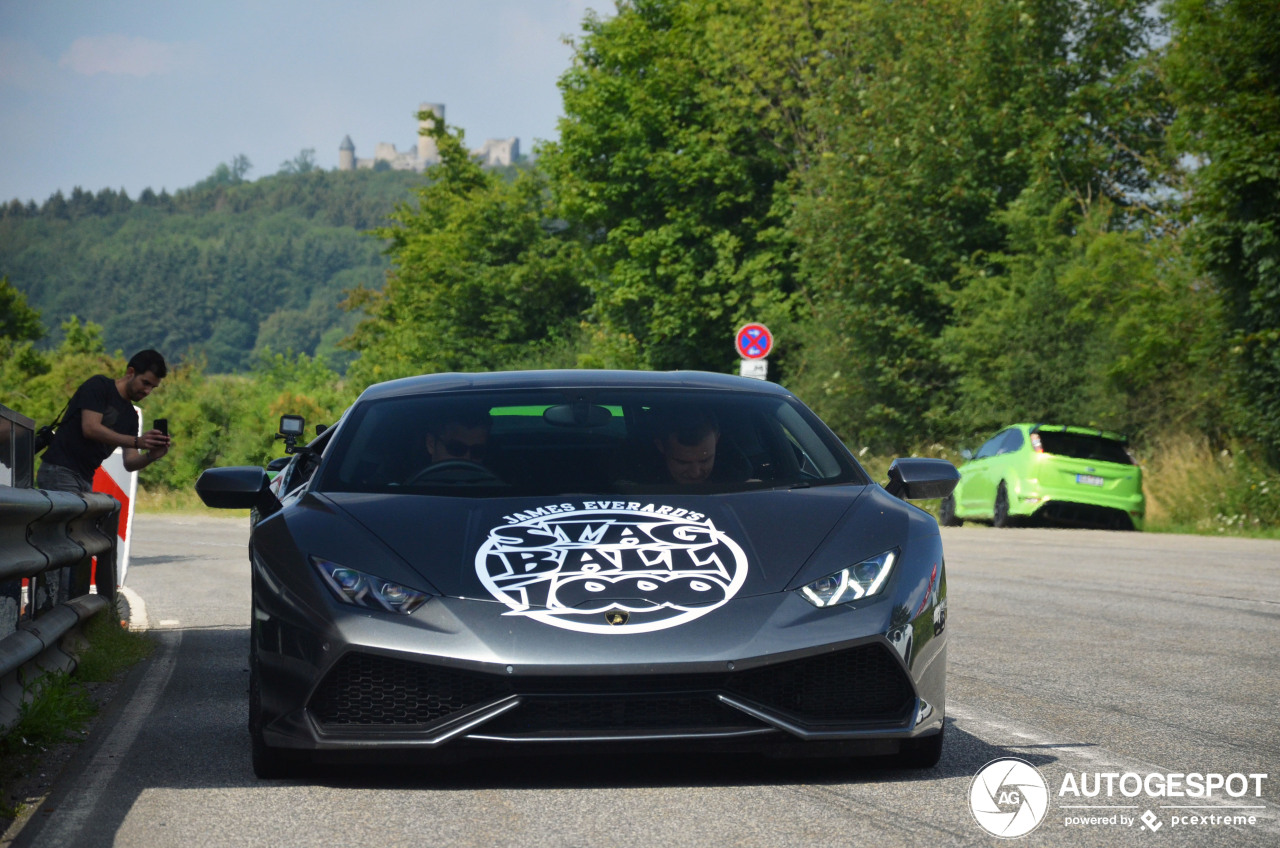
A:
[(612, 571), (1009, 797)]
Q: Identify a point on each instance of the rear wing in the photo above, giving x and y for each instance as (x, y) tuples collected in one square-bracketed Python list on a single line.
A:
[(1086, 431)]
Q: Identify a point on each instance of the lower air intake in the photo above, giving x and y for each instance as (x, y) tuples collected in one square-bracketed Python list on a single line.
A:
[(863, 685)]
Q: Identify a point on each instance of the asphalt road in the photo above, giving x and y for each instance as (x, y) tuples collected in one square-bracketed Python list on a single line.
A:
[(1082, 653)]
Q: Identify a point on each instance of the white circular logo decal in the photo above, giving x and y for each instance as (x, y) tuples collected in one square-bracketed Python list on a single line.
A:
[(610, 567), (1009, 797)]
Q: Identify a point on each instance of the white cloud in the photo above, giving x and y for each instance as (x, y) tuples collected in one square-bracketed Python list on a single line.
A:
[(122, 54)]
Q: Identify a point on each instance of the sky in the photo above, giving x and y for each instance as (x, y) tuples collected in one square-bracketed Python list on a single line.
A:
[(157, 93)]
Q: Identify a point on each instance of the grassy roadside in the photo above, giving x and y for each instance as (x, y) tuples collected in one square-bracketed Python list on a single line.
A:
[(177, 501), (53, 722), (1191, 488)]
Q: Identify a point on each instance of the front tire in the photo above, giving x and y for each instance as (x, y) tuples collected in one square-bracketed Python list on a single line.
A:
[(1000, 511), (269, 763), (947, 512), (921, 753)]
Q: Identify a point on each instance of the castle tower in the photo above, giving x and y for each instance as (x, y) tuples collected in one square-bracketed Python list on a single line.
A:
[(427, 152), (346, 155)]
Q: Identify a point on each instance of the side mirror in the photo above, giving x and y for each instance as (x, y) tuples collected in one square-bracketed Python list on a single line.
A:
[(918, 478), (242, 487)]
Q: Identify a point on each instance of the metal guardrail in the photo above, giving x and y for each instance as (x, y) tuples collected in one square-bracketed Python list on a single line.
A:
[(49, 542)]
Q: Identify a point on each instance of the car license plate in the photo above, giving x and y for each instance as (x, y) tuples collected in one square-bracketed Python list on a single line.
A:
[(1089, 479)]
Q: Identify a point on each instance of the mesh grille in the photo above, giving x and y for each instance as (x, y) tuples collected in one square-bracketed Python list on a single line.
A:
[(864, 684), (368, 690), (605, 715), (861, 684)]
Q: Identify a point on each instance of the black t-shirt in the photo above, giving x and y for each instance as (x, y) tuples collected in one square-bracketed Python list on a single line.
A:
[(69, 447)]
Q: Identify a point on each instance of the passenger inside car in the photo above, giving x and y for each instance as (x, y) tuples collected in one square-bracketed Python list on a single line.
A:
[(693, 451)]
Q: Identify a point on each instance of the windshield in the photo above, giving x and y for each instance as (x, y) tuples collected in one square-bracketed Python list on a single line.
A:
[(1084, 446), (607, 441)]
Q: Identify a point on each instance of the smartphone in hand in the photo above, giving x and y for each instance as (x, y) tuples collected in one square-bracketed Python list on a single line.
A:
[(162, 424)]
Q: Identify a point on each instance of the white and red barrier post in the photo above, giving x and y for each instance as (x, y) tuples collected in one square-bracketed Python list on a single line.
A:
[(112, 479)]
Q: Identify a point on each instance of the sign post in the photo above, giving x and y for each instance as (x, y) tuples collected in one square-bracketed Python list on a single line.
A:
[(753, 343)]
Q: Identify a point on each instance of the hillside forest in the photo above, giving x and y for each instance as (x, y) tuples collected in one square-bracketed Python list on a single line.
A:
[(952, 214)]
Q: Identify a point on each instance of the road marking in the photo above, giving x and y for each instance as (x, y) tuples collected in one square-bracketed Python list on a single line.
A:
[(73, 816), (995, 731)]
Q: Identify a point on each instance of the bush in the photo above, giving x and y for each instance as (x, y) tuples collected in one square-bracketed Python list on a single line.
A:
[(1193, 488)]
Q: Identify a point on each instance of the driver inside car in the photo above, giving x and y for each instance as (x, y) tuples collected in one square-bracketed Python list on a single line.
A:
[(463, 437)]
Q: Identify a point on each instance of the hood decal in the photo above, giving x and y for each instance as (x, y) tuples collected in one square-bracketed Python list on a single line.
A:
[(574, 565)]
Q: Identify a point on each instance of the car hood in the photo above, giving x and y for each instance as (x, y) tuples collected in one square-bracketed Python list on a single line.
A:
[(586, 553)]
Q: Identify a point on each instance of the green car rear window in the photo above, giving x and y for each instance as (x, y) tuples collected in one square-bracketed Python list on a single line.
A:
[(1085, 446)]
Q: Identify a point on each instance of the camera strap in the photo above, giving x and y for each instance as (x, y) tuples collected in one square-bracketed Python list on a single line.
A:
[(45, 434), (57, 421)]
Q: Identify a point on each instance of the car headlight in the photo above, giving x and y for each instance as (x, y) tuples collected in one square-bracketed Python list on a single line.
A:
[(367, 590), (850, 584)]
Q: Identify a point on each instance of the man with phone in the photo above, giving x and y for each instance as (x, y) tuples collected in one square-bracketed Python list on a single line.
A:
[(100, 418)]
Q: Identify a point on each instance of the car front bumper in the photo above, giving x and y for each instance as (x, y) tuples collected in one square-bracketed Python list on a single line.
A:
[(457, 677)]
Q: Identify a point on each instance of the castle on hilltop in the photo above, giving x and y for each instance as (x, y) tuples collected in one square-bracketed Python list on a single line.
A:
[(495, 151)]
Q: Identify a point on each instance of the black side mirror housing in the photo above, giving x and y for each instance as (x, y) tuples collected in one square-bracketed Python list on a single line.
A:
[(918, 478), (242, 487)]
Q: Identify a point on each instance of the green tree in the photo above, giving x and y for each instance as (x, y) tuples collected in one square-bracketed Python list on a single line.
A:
[(227, 173), (1224, 69), (20, 328), (240, 167), (1083, 322), (663, 170), (303, 163), (39, 384), (211, 270), (937, 115), (480, 273), (18, 321)]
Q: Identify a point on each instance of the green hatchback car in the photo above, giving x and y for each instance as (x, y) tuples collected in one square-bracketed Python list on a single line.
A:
[(1049, 474)]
